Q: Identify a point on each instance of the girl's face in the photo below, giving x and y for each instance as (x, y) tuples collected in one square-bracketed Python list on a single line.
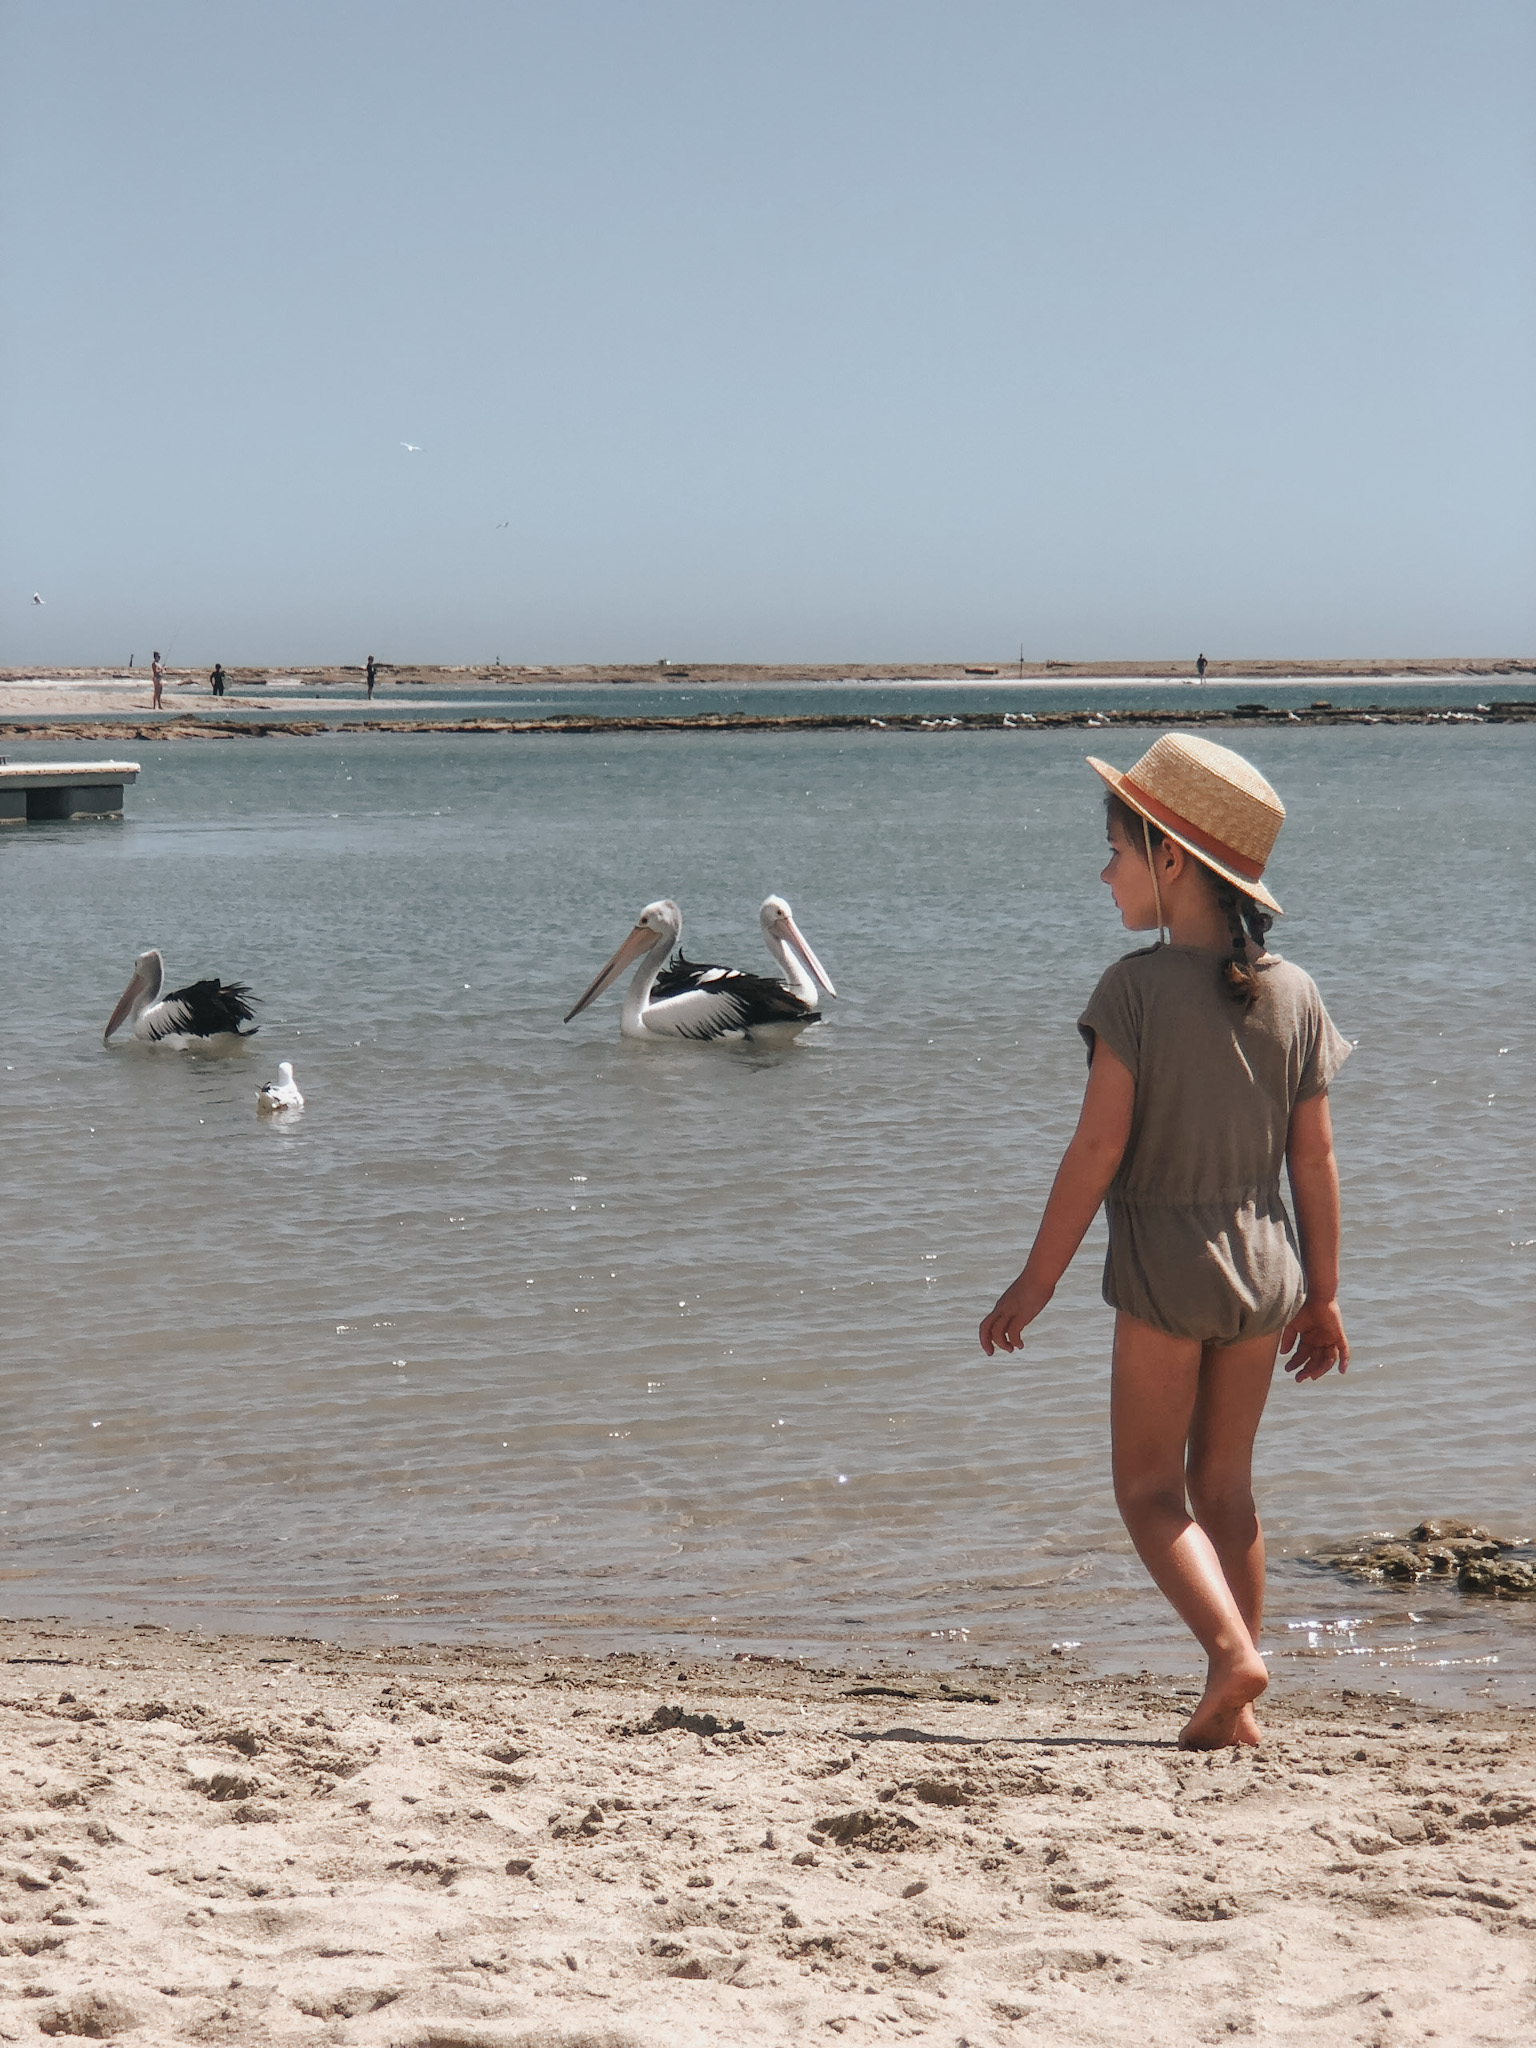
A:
[(1129, 880)]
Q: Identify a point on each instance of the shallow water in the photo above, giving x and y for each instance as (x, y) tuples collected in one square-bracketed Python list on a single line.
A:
[(519, 1330)]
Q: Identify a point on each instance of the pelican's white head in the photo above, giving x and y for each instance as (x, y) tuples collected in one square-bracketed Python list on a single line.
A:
[(657, 930), (781, 933), (662, 916), (144, 985)]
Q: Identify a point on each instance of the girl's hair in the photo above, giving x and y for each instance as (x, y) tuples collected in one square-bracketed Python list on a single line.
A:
[(1245, 919)]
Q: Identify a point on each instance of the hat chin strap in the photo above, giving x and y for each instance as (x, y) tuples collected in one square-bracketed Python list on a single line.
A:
[(1164, 936)]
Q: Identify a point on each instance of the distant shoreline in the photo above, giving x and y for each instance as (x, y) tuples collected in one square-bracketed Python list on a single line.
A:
[(522, 676), (113, 704)]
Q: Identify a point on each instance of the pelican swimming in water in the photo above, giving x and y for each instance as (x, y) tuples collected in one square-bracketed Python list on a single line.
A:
[(682, 1001), (204, 1013), (283, 1093), (787, 947), (786, 942)]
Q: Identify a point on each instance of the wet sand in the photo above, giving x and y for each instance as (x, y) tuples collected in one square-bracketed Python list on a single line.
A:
[(226, 1839)]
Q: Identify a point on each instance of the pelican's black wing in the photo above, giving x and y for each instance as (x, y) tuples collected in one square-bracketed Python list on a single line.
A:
[(744, 1000), (204, 1008), (678, 976)]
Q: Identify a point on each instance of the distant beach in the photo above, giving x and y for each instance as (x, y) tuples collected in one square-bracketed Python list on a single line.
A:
[(98, 703)]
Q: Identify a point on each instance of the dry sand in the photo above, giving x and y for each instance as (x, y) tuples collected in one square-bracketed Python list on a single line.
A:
[(233, 1840)]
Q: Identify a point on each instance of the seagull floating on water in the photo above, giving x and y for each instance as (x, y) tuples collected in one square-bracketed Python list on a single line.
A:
[(683, 1001), (283, 1093), (204, 1013)]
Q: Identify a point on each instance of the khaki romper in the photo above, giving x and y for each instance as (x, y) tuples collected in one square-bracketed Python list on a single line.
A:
[(1200, 1243)]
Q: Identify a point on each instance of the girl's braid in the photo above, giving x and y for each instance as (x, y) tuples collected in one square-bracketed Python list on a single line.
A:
[(1245, 921)]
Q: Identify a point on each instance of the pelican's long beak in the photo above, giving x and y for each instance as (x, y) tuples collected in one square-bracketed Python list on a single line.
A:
[(792, 935), (639, 942), (135, 987)]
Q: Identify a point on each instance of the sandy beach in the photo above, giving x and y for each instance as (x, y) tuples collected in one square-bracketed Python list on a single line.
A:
[(233, 1839)]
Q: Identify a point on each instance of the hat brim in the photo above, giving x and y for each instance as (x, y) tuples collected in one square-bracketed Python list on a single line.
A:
[(1117, 783)]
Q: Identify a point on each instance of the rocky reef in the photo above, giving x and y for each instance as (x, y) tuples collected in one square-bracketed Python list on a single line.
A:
[(1446, 1549)]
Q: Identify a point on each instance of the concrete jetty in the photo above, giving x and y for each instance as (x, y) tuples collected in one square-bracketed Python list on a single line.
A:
[(35, 791)]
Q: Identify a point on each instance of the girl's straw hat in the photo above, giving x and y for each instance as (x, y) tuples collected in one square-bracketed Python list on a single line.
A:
[(1215, 804)]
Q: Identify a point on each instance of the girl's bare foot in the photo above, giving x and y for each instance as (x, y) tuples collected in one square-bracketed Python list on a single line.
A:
[(1225, 1716), (1248, 1733)]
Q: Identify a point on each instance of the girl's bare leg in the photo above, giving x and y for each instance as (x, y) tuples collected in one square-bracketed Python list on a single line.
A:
[(1154, 1395), (1234, 1385)]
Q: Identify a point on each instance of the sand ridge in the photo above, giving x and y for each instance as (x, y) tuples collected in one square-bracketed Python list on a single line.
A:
[(233, 1839), (83, 691)]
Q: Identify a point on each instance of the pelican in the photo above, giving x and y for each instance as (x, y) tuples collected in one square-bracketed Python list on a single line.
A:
[(786, 943), (689, 1002), (787, 947), (203, 1013), (283, 1093)]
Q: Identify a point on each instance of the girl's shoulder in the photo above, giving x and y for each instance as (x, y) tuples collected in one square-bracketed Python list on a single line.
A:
[(1288, 983), (1124, 980), (1131, 967)]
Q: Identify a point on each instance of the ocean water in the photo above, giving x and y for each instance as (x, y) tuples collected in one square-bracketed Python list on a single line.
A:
[(520, 1331)]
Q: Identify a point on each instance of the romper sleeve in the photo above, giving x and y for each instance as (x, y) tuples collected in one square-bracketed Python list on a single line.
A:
[(1114, 1014), (1324, 1050)]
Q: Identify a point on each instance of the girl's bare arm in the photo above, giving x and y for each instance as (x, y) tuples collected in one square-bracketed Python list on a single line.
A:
[(1314, 1177), (1087, 1167)]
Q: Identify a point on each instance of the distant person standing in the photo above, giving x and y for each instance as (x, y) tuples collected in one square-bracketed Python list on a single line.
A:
[(373, 676), (1200, 668), (158, 674), (216, 680)]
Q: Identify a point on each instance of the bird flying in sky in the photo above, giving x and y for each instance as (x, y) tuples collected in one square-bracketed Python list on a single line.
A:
[(38, 600), (411, 447)]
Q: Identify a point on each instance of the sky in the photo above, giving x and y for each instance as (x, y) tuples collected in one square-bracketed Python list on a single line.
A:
[(826, 330)]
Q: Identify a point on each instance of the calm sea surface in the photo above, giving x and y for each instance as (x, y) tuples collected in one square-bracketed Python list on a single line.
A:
[(520, 1331)]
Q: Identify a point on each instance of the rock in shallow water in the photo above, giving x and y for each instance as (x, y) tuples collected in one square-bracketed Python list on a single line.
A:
[(1504, 1575), (1448, 1549)]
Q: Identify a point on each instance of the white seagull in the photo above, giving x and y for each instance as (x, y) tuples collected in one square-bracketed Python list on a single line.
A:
[(38, 600), (684, 1001), (411, 447), (283, 1093), (203, 1013)]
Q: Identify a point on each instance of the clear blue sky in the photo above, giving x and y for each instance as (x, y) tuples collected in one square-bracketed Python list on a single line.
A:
[(808, 330)]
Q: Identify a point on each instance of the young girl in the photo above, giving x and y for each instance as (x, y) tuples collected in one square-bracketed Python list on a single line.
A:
[(1209, 1063)]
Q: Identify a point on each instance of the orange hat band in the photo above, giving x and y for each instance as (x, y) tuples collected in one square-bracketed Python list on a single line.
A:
[(1203, 842)]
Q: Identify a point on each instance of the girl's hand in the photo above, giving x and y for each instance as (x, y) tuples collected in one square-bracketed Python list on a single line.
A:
[(1004, 1327), (1318, 1333)]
